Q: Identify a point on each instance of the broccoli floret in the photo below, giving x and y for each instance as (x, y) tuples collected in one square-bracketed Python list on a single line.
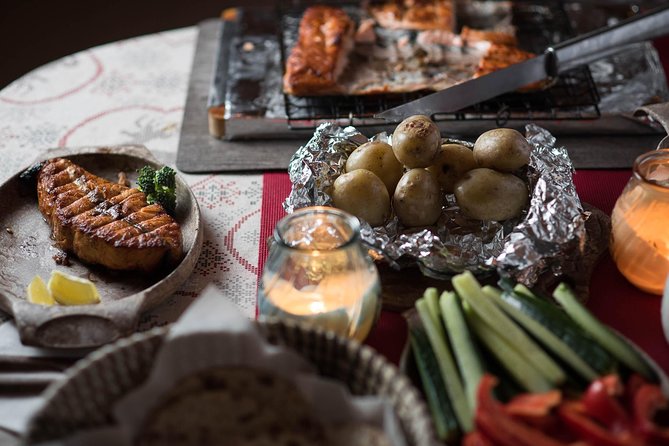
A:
[(167, 198), (166, 178), (159, 186), (146, 180), (165, 186)]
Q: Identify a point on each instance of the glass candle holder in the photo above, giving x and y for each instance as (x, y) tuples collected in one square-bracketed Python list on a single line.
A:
[(318, 272), (639, 223)]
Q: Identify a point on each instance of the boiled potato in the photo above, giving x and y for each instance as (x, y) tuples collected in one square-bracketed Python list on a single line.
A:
[(362, 194), (378, 158), (505, 150), (416, 141), (486, 194), (451, 163), (417, 198)]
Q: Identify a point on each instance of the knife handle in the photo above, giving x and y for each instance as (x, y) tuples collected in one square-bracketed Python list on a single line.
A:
[(602, 42)]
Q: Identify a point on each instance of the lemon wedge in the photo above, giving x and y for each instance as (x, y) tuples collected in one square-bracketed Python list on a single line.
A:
[(38, 293), (72, 290)]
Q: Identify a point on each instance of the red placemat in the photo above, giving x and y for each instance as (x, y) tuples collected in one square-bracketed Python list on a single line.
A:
[(632, 312), (612, 298)]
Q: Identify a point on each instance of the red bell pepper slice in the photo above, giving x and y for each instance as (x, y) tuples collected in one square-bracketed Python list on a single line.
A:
[(499, 426), (536, 409), (601, 403), (634, 383), (612, 384), (533, 405), (476, 438), (648, 400), (575, 416), (490, 427)]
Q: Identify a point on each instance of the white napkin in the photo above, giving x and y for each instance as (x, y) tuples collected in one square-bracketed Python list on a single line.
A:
[(212, 333)]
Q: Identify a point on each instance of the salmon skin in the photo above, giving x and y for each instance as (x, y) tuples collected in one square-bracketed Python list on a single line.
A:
[(105, 223)]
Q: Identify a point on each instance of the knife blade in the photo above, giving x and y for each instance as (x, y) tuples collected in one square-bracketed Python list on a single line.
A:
[(557, 59)]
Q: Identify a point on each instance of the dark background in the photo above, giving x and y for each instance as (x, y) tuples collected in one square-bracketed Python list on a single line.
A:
[(34, 32)]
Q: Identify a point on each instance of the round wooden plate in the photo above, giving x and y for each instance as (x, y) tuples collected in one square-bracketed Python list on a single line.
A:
[(26, 250)]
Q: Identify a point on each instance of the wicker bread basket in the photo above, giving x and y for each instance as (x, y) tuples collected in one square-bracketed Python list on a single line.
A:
[(84, 399)]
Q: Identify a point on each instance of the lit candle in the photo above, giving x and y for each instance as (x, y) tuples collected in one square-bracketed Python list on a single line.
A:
[(639, 235), (318, 273)]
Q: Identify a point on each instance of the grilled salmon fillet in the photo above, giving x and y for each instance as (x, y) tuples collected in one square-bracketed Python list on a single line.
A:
[(321, 53), (103, 222), (414, 14)]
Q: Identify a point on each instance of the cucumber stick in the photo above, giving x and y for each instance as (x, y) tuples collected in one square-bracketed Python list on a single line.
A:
[(466, 354), (431, 296), (561, 325), (433, 386), (508, 285), (525, 291), (469, 289), (543, 334), (601, 333), (524, 372), (491, 291), (449, 372)]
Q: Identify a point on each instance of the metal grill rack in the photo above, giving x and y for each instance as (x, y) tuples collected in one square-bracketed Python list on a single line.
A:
[(539, 24)]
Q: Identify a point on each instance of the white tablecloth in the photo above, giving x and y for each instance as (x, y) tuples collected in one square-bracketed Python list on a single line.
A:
[(133, 91)]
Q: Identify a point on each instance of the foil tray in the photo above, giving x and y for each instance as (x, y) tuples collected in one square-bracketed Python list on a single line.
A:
[(550, 233)]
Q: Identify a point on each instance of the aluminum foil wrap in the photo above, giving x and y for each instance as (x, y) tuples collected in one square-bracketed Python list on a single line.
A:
[(549, 230), (553, 230)]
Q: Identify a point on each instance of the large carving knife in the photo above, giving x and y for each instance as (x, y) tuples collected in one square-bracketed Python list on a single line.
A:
[(555, 60)]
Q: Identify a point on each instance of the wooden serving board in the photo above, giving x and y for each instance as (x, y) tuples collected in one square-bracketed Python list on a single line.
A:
[(198, 151)]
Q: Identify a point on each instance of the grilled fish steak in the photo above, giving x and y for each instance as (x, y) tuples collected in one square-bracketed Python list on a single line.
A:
[(103, 222)]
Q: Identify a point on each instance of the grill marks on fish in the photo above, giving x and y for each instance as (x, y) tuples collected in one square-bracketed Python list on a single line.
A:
[(112, 210), (75, 201)]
